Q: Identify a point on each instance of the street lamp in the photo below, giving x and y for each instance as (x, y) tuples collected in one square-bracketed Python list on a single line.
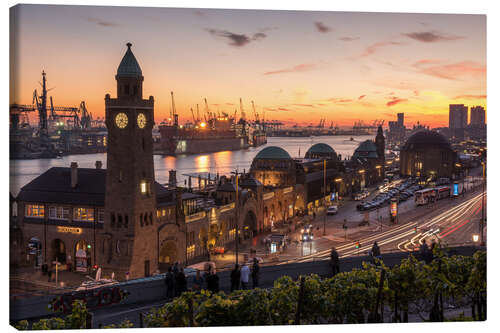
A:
[(475, 238)]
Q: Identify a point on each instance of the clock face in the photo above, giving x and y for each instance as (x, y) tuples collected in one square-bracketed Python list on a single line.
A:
[(121, 120), (141, 120)]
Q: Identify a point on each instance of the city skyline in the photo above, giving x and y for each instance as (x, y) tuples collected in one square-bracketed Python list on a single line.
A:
[(346, 70)]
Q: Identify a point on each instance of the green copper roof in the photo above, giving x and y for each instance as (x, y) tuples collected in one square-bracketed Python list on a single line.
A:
[(129, 67), (273, 153), (320, 148), (366, 149)]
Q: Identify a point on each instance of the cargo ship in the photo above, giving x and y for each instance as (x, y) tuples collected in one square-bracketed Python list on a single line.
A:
[(217, 134), (213, 133)]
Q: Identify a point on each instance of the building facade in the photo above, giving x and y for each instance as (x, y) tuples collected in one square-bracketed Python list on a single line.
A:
[(428, 154)]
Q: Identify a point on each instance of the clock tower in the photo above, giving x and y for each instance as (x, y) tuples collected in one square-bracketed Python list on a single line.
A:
[(128, 242)]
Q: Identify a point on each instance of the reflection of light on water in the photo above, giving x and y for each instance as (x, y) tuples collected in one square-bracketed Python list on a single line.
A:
[(202, 163)]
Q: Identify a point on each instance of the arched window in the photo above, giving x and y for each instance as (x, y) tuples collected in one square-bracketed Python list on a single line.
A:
[(126, 221), (113, 219), (120, 221)]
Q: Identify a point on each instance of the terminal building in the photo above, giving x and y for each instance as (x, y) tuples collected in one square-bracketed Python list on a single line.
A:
[(428, 154), (123, 221)]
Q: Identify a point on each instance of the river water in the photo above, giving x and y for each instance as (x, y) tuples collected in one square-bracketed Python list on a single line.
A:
[(23, 171)]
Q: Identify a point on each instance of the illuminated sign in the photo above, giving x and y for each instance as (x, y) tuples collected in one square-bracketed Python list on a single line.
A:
[(394, 208), (69, 230), (455, 189)]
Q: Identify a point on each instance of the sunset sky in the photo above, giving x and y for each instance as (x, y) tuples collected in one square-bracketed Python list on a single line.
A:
[(298, 66)]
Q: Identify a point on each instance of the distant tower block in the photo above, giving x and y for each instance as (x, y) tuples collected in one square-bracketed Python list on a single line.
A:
[(129, 239)]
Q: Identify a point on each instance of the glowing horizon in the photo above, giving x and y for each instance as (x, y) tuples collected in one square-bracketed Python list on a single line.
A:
[(297, 66)]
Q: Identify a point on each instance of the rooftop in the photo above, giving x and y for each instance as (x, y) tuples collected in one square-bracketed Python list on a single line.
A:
[(273, 153), (129, 67)]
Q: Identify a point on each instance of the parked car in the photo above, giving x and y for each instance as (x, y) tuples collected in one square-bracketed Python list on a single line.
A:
[(332, 210)]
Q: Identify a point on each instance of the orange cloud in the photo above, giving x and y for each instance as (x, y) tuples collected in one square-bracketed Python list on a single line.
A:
[(298, 68), (371, 49), (396, 100), (455, 71)]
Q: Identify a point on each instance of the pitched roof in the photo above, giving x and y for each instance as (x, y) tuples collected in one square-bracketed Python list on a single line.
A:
[(54, 186), (129, 67)]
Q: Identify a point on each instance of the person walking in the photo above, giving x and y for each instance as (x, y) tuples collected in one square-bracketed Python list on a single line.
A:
[(255, 273), (235, 278), (213, 281), (180, 282), (169, 283), (245, 274), (197, 282), (334, 261)]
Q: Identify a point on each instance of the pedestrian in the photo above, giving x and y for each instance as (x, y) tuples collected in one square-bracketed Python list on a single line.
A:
[(375, 250), (180, 282), (197, 281), (176, 268), (235, 278), (213, 281), (255, 273), (424, 252), (334, 261), (245, 274), (169, 283)]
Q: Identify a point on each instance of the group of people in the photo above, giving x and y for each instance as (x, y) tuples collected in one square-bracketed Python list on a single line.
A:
[(176, 281), (241, 277)]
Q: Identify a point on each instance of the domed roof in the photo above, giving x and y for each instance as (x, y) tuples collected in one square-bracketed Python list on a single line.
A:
[(366, 149), (129, 67), (320, 148), (273, 153), (425, 139)]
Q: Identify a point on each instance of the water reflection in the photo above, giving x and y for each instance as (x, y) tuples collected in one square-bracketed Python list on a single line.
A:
[(224, 162)]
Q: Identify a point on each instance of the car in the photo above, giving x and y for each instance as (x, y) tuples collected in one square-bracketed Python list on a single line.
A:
[(332, 210)]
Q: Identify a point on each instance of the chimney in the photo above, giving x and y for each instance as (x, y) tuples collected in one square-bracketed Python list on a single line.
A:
[(98, 164), (74, 174), (172, 178)]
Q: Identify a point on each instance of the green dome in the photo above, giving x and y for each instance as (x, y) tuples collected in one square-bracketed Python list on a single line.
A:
[(273, 153), (320, 148), (129, 67), (366, 149)]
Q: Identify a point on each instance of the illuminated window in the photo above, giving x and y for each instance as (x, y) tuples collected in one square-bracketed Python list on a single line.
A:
[(163, 212), (33, 210), (83, 214), (158, 213), (144, 187), (59, 213)]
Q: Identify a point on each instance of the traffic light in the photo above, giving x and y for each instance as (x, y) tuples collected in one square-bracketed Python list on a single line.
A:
[(88, 246), (95, 267), (415, 229), (358, 245)]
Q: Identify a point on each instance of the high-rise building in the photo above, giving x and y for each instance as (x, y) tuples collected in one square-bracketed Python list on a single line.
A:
[(477, 116), (458, 116), (401, 119)]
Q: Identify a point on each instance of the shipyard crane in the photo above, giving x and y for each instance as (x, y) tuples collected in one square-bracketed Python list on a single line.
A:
[(174, 111), (197, 113), (242, 112), (255, 114), (194, 119), (19, 114), (64, 112)]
